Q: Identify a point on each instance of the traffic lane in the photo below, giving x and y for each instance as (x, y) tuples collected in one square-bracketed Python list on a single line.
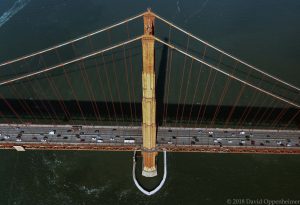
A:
[(161, 131), (136, 133)]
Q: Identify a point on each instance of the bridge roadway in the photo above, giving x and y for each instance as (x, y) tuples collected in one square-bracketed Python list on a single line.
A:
[(116, 138)]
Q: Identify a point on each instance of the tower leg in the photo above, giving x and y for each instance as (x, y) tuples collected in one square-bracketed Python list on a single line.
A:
[(149, 101)]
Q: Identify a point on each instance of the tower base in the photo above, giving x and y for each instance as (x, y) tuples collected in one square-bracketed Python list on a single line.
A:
[(149, 164), (149, 173)]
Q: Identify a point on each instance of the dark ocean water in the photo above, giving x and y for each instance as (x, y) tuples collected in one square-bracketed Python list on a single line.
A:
[(264, 33)]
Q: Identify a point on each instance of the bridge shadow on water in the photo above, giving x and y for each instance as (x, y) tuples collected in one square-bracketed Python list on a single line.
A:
[(120, 113), (125, 113), (160, 84)]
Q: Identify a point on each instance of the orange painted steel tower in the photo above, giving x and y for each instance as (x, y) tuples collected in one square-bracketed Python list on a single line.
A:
[(149, 101)]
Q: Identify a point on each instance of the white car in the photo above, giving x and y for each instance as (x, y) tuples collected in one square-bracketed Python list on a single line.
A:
[(229, 141), (112, 139), (170, 142), (289, 144), (219, 139), (242, 133), (99, 140), (6, 137), (94, 138), (210, 133), (52, 132), (215, 141), (130, 141), (279, 142), (243, 141), (18, 140), (43, 140)]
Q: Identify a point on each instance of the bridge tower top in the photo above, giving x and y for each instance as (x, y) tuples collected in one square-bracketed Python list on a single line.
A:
[(149, 18)]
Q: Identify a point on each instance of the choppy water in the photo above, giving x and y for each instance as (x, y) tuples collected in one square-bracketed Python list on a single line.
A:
[(264, 33)]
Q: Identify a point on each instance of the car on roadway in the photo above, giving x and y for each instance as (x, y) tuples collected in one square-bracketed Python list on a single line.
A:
[(242, 132), (52, 132), (219, 139), (94, 138), (169, 142), (112, 139), (289, 144), (229, 141), (19, 140), (278, 142), (6, 137), (243, 141), (210, 133), (215, 141), (129, 141), (99, 140)]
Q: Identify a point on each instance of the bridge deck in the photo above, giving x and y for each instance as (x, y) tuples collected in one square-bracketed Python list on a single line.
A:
[(110, 138)]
